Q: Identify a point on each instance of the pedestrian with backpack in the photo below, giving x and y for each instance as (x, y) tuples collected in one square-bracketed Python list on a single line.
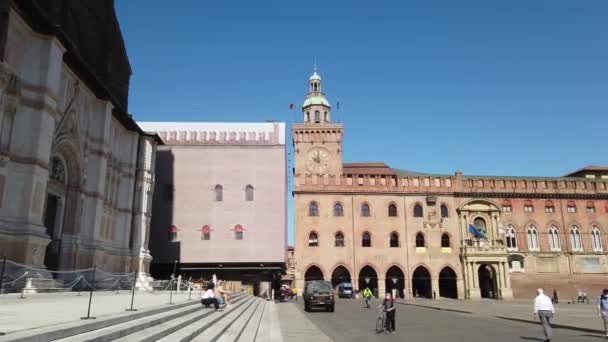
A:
[(602, 310)]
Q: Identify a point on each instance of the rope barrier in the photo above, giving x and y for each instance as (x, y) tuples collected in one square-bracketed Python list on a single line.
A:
[(14, 281)]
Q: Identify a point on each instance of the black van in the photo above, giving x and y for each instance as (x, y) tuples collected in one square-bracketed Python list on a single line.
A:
[(318, 293)]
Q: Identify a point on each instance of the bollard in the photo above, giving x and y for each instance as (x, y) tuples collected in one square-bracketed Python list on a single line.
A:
[(91, 295), (2, 272)]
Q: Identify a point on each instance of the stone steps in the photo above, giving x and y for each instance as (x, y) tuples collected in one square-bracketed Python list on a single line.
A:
[(247, 319)]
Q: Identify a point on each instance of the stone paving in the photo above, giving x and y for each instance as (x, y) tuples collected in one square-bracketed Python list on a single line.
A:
[(40, 310), (582, 317), (295, 326), (353, 323)]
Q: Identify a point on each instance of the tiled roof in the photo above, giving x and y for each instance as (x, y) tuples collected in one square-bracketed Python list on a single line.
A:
[(367, 169)]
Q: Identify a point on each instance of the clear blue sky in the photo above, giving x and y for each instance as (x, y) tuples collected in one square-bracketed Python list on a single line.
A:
[(486, 87)]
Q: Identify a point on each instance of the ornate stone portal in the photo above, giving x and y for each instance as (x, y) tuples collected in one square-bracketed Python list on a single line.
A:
[(484, 260)]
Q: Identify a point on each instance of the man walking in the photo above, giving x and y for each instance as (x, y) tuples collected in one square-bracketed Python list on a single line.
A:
[(602, 309), (543, 308)]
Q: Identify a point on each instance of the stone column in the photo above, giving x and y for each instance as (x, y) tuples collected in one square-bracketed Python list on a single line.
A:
[(474, 290), (435, 287), (381, 287)]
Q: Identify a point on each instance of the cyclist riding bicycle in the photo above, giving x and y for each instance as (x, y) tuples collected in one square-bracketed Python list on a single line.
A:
[(367, 294)]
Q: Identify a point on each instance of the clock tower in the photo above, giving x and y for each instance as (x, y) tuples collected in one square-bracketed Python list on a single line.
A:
[(317, 140)]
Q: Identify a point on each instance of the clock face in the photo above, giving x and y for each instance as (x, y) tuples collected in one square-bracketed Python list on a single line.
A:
[(317, 161)]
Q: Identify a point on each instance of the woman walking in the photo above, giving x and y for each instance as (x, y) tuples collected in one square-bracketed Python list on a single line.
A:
[(602, 309)]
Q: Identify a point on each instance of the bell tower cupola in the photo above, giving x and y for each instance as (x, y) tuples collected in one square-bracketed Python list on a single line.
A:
[(316, 108)]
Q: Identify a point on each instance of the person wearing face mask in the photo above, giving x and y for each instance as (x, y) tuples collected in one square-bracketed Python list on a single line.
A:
[(388, 305)]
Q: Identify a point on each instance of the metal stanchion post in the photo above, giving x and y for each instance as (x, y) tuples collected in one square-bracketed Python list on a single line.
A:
[(2, 272), (171, 287), (190, 289), (133, 290), (91, 295)]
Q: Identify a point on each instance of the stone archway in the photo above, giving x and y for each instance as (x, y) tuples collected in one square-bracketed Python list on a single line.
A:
[(313, 273), (448, 283), (395, 280), (421, 283), (487, 281), (368, 278), (340, 275), (62, 203)]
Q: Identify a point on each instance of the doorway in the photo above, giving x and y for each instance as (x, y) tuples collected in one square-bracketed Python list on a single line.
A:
[(447, 283), (487, 281), (421, 283)]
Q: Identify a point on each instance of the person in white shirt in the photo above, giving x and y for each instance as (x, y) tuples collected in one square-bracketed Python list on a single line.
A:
[(543, 309), (209, 299)]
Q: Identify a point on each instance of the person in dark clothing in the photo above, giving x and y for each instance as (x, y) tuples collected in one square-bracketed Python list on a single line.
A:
[(388, 305), (555, 297), (209, 297)]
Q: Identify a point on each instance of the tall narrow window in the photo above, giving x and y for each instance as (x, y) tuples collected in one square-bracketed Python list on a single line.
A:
[(418, 210), (238, 232), (338, 209), (420, 240), (339, 240), (554, 243), (575, 239), (445, 241), (313, 240), (511, 239), (317, 117), (444, 210), (366, 240), (325, 118), (392, 210), (307, 116), (596, 240), (6, 130), (206, 233), (219, 193), (532, 234), (249, 193), (173, 233), (313, 209), (394, 240), (365, 211)]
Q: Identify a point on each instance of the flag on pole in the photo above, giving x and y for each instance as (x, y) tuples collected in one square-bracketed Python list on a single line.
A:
[(476, 232), (292, 106)]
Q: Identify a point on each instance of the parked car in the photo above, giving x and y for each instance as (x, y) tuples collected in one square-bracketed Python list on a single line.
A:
[(345, 290), (318, 293)]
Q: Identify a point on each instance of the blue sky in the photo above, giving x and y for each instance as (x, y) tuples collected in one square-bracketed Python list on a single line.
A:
[(486, 87)]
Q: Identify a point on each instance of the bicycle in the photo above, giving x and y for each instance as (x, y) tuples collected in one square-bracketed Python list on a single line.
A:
[(380, 321), (368, 299)]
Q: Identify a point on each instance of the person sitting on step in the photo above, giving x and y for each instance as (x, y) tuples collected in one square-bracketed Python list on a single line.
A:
[(209, 299)]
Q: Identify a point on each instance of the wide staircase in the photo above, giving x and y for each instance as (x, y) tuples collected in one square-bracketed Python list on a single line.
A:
[(246, 319)]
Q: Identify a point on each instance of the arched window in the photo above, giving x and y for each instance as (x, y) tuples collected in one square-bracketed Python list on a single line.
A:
[(317, 116), (590, 207), (313, 209), (575, 239), (338, 209), (392, 210), (596, 240), (420, 240), (480, 224), (532, 235), (394, 241), (325, 117), (219, 193), (365, 211), (238, 232), (511, 239), (418, 210), (445, 241), (307, 116), (339, 240), (249, 193), (571, 207), (366, 240), (444, 211), (554, 243), (313, 240), (549, 207)]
